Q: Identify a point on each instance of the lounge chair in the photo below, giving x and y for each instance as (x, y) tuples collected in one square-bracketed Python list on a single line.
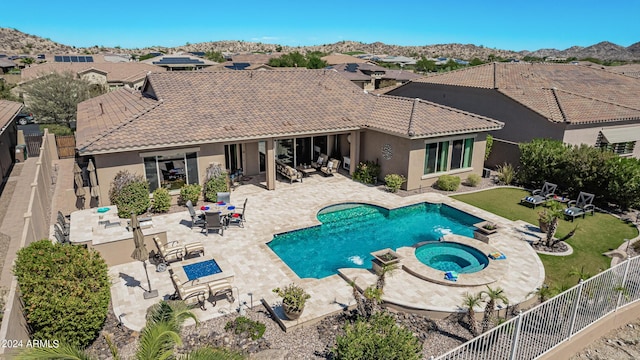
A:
[(237, 218), (322, 161), (581, 206), (332, 167), (63, 223), (213, 221), (196, 219), (59, 234), (169, 251), (190, 292), (540, 196), (220, 287)]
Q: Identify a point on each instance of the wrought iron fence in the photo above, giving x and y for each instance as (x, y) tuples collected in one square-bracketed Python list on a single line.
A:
[(536, 331)]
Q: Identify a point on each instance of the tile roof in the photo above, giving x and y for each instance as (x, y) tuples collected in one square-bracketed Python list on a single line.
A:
[(418, 118), (8, 111), (196, 107), (559, 92), (116, 72), (335, 59)]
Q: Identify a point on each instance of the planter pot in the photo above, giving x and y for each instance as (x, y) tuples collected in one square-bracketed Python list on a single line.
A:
[(485, 228), (384, 257), (290, 312)]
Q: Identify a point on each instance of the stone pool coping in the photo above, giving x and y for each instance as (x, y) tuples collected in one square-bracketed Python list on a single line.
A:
[(492, 273)]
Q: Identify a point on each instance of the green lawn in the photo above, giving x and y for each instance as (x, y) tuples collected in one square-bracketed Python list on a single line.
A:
[(595, 235)]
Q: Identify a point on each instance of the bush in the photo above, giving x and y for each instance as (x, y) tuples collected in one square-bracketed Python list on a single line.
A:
[(506, 173), (56, 129), (394, 182), (488, 147), (216, 181), (190, 192), (241, 324), (378, 338), (448, 182), (367, 172), (161, 200), (130, 193), (65, 290), (473, 180)]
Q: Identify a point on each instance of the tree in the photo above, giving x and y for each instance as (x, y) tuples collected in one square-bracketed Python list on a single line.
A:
[(470, 302), (316, 63), (425, 65), (55, 97), (476, 62), (215, 56), (493, 295), (5, 91), (553, 213)]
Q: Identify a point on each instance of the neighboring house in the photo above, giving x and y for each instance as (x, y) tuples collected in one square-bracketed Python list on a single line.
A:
[(6, 65), (335, 59), (179, 62), (111, 75), (370, 76), (231, 65), (8, 134), (572, 103), (181, 122)]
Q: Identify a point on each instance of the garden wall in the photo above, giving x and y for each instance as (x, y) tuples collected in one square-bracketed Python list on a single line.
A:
[(35, 227), (503, 151)]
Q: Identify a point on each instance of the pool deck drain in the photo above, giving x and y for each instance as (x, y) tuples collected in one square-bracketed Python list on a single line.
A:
[(258, 269)]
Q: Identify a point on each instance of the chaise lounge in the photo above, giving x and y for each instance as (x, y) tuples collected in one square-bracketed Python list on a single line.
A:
[(540, 196), (331, 168), (579, 207), (190, 292)]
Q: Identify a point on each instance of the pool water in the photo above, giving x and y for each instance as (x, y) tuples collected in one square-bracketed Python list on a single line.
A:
[(200, 269), (350, 232), (447, 256)]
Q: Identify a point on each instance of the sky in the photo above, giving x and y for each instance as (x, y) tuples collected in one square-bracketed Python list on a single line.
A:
[(509, 25)]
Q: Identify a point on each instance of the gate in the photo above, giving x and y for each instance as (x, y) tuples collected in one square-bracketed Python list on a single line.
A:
[(66, 145), (34, 142)]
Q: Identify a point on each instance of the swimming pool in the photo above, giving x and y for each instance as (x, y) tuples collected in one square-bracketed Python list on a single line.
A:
[(448, 256), (350, 232)]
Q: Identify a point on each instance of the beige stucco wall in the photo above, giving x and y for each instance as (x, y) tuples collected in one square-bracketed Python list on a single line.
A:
[(95, 77), (209, 154), (589, 135), (408, 157), (251, 159)]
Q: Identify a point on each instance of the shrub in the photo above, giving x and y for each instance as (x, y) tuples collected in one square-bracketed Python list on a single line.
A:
[(378, 338), (190, 192), (161, 200), (488, 147), (367, 172), (293, 295), (56, 129), (130, 193), (242, 324), (65, 290), (473, 180), (448, 182), (506, 173), (394, 182), (216, 181)]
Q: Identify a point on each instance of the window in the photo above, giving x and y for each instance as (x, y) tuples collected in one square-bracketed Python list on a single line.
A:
[(171, 171), (448, 155), (622, 148)]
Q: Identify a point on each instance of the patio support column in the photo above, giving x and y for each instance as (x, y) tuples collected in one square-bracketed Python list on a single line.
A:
[(270, 164), (354, 151)]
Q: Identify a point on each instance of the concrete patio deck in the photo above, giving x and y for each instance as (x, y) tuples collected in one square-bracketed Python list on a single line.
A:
[(291, 206)]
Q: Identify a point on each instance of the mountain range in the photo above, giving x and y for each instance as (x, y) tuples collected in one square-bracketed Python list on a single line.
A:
[(13, 41)]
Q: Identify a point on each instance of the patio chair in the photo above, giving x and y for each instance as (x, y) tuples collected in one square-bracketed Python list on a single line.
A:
[(190, 292), (237, 218), (224, 197), (63, 223), (213, 221), (322, 161), (169, 251), (332, 167), (220, 287), (581, 206), (540, 196), (196, 219), (59, 234)]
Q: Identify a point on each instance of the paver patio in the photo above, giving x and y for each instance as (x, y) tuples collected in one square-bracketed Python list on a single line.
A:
[(257, 269)]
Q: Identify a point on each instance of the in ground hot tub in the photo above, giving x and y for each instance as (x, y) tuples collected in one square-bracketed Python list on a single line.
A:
[(450, 256)]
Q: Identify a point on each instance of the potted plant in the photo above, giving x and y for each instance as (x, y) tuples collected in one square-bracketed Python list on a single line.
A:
[(486, 227), (384, 258), (293, 299)]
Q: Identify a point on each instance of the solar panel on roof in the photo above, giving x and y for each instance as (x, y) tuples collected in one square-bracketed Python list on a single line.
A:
[(57, 58), (73, 58), (66, 59), (352, 67), (82, 59), (89, 58)]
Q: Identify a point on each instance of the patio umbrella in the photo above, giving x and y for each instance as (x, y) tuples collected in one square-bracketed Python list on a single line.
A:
[(77, 174), (140, 252), (93, 180)]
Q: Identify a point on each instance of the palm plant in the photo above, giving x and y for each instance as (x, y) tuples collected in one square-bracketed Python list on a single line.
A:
[(382, 273), (493, 295), (553, 214), (360, 304), (469, 302), (158, 340)]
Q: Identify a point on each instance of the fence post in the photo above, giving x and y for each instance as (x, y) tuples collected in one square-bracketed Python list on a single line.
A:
[(516, 335), (575, 309), (624, 282)]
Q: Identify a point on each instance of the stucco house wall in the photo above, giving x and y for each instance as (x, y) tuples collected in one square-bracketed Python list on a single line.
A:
[(577, 134)]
